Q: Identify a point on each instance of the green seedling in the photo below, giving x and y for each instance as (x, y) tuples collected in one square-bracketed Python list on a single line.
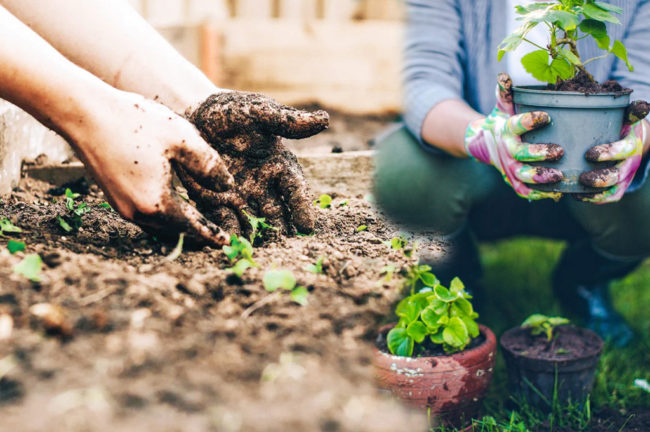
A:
[(344, 203), (542, 324), (388, 271), (15, 246), (317, 267), (72, 221), (285, 280), (30, 267), (324, 201), (259, 226), (361, 228), (240, 254), (178, 250), (567, 21), (438, 315), (6, 227), (106, 206), (420, 275)]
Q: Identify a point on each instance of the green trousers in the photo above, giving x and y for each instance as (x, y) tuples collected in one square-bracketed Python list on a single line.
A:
[(444, 194)]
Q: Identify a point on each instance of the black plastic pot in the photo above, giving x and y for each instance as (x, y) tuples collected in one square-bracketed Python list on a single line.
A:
[(579, 121), (540, 380)]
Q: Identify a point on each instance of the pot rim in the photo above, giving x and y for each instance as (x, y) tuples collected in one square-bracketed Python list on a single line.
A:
[(595, 354), (539, 89), (490, 338)]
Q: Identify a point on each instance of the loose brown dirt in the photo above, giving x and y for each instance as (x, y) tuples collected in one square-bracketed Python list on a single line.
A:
[(152, 344)]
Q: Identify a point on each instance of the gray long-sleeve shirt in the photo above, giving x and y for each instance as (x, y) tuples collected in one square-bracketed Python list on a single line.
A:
[(451, 53)]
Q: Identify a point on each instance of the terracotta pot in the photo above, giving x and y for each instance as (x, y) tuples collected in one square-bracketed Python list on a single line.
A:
[(452, 387), (574, 375)]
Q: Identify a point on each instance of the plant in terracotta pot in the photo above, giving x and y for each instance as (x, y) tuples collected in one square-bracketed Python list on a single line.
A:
[(550, 361), (583, 112), (437, 356)]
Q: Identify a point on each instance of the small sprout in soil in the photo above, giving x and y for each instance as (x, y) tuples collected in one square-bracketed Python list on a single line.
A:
[(239, 252), (72, 221), (361, 228), (6, 227), (316, 268), (285, 280), (107, 206), (324, 201), (178, 250), (240, 267), (388, 271), (542, 324), (567, 21), (15, 246), (435, 315), (344, 203), (259, 226), (30, 267), (562, 351)]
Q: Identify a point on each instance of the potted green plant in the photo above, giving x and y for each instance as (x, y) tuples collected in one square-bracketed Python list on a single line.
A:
[(436, 357), (584, 113), (550, 361)]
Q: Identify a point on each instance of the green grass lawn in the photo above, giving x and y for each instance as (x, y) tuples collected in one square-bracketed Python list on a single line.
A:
[(520, 271)]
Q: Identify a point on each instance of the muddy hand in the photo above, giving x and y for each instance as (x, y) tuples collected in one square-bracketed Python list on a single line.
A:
[(246, 129), (130, 146), (628, 153), (496, 140)]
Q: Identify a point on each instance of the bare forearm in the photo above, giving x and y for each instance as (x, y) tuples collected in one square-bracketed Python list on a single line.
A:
[(112, 41), (444, 126)]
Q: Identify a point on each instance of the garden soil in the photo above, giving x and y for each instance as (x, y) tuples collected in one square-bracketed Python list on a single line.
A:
[(126, 339)]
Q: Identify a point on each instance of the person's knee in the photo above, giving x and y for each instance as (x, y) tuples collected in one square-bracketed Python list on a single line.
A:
[(416, 188)]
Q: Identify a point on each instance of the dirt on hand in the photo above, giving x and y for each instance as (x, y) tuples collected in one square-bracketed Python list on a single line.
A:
[(247, 130), (184, 344)]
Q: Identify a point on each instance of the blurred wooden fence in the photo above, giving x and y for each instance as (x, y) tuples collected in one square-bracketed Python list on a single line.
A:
[(344, 54)]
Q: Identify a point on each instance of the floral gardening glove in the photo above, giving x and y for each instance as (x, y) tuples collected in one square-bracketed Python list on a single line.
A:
[(496, 140), (628, 152), (246, 130)]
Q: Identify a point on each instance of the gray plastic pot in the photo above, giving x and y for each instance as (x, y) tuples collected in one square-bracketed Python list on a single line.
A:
[(578, 122)]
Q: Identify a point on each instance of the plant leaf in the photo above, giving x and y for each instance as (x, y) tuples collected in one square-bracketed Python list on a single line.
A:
[(455, 333), (324, 201), (619, 50), (30, 267), (240, 267), (534, 320), (537, 64), (573, 59), (300, 295), (274, 279), (15, 246), (7, 227), (362, 228), (178, 250), (437, 338), (443, 294), (590, 10), (428, 279), (399, 342), (430, 318), (63, 224), (417, 331), (609, 7)]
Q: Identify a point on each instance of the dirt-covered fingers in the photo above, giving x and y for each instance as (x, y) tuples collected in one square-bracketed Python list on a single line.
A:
[(537, 175), (504, 93), (521, 123), (613, 194), (174, 215), (289, 122), (203, 163), (295, 193), (600, 178), (616, 151), (525, 152), (636, 111)]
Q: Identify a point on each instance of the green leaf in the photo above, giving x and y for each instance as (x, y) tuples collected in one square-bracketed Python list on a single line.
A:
[(63, 224), (512, 41), (590, 10), (437, 338), (534, 320), (537, 64), (598, 30), (457, 286), (455, 333), (324, 201), (430, 318), (362, 228), (7, 227), (439, 306), (300, 295), (344, 203), (106, 205), (15, 246), (573, 59), (619, 50), (240, 267), (178, 250), (472, 326), (30, 267), (400, 343), (557, 321), (316, 268), (417, 331), (443, 294), (428, 279), (275, 279), (70, 194), (465, 306), (609, 7)]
